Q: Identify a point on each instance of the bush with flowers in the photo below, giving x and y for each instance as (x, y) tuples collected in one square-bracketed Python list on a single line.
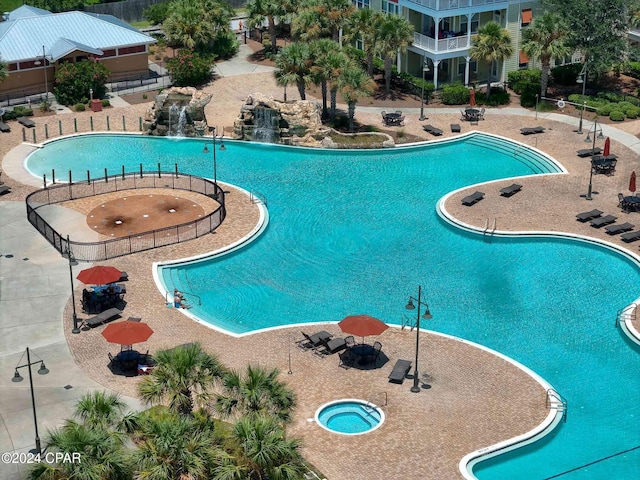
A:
[(189, 68), (74, 80)]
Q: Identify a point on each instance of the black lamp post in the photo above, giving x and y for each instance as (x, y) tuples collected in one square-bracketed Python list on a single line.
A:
[(215, 163), (582, 78), (427, 316), (596, 129), (46, 82), (72, 262), (425, 69), (17, 378)]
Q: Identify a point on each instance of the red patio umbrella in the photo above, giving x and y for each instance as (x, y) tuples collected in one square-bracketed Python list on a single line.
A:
[(362, 325), (607, 147), (472, 97), (127, 332), (99, 275), (632, 182)]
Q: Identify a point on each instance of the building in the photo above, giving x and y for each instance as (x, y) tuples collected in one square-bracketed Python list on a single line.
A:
[(34, 41)]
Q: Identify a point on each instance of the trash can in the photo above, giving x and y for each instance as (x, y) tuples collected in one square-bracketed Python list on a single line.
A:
[(96, 105)]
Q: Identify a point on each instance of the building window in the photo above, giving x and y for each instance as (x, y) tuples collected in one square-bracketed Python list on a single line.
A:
[(130, 50), (12, 67), (391, 6), (360, 44), (526, 17), (497, 17), (362, 3), (109, 53), (29, 65), (523, 60), (474, 25), (473, 67)]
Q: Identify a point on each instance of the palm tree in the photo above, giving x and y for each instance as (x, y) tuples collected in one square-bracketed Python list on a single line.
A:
[(257, 392), (187, 25), (361, 25), (394, 34), (321, 19), (324, 52), (182, 377), (354, 83), (271, 10), (100, 409), (493, 44), (337, 62), (293, 66), (265, 453), (545, 39)]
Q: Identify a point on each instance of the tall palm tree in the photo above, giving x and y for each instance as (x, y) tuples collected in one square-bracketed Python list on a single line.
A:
[(272, 11), (321, 19), (394, 34), (324, 52), (354, 83), (492, 43), (293, 66), (182, 377), (265, 453), (256, 392), (187, 25), (362, 25), (546, 39), (337, 62)]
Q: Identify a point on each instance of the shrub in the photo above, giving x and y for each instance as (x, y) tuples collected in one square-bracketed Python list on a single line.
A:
[(18, 111), (74, 80), (80, 107), (225, 45), (625, 106), (105, 102), (605, 110), (632, 69), (189, 69), (617, 116), (157, 13), (528, 92), (499, 96), (45, 106), (632, 113), (521, 79), (578, 98), (610, 97), (566, 74), (456, 94)]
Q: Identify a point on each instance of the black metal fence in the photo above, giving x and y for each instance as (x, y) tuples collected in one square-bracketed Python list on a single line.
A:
[(117, 247)]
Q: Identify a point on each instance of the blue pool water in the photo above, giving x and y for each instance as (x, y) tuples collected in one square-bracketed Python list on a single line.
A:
[(356, 232), (350, 417)]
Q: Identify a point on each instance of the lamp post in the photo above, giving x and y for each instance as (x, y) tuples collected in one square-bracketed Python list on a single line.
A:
[(215, 163), (425, 69), (17, 378), (72, 262), (427, 316), (582, 78), (46, 82), (593, 147)]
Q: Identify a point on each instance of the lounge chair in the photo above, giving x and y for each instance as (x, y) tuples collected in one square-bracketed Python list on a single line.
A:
[(602, 221), (436, 132), (510, 190), (310, 342), (455, 127), (400, 370), (531, 130), (589, 152), (4, 127), (472, 199), (590, 215), (630, 236), (27, 122), (616, 229), (332, 346), (4, 189), (103, 317)]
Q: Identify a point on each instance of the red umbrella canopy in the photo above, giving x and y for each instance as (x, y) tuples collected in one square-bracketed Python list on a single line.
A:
[(472, 98), (362, 325), (99, 275), (607, 147), (127, 333), (632, 182)]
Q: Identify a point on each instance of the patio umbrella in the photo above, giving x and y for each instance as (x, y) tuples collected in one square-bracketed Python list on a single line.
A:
[(632, 182), (362, 325), (607, 147), (127, 332), (99, 275), (472, 97)]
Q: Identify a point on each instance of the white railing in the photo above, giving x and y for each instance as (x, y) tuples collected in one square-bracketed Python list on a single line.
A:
[(424, 42), (443, 45), (441, 5)]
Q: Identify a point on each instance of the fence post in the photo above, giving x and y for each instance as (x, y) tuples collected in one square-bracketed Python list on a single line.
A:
[(88, 177), (140, 170), (60, 127), (124, 124), (91, 122), (140, 121), (106, 178), (108, 123), (176, 170), (44, 180), (46, 131), (159, 176), (70, 186), (75, 124), (123, 173), (53, 176), (24, 134)]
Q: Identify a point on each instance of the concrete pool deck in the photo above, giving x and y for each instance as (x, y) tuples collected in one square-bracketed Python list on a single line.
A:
[(476, 399)]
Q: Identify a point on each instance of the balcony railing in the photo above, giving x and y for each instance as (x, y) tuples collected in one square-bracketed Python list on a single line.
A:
[(441, 5), (443, 45)]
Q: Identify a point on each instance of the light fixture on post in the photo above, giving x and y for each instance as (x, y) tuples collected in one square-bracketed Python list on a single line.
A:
[(44, 64), (425, 69), (582, 78), (68, 254), (595, 129), (18, 378), (215, 163), (427, 316)]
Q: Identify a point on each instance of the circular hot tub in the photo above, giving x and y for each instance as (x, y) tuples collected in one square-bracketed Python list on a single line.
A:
[(349, 416)]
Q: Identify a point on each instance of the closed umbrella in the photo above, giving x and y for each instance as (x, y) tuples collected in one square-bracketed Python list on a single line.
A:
[(472, 97), (632, 182), (362, 325), (99, 275), (607, 147)]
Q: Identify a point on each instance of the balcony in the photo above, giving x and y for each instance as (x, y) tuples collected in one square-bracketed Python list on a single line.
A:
[(444, 5), (451, 44)]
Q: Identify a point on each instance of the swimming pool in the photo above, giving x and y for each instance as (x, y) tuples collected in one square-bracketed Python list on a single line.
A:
[(356, 232), (349, 417)]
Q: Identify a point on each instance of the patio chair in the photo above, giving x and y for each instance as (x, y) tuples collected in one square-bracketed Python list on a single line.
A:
[(601, 222), (27, 122), (311, 342), (481, 114), (103, 317), (347, 359), (630, 236), (621, 200), (115, 362), (400, 370), (590, 215), (123, 277), (384, 117), (332, 346), (510, 190), (373, 357), (620, 228), (472, 199), (350, 341)]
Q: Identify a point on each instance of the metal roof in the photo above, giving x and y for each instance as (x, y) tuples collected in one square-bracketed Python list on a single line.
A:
[(27, 11), (22, 39), (64, 46)]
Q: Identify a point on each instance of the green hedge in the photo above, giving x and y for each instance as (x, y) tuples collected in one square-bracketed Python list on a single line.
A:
[(18, 111), (632, 69), (566, 74), (499, 96), (456, 94), (522, 79), (617, 115)]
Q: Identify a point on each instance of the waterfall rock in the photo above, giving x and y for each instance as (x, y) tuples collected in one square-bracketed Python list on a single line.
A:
[(175, 111), (262, 118)]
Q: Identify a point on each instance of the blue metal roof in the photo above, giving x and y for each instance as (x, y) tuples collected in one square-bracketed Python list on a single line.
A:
[(22, 39), (27, 11), (64, 46)]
